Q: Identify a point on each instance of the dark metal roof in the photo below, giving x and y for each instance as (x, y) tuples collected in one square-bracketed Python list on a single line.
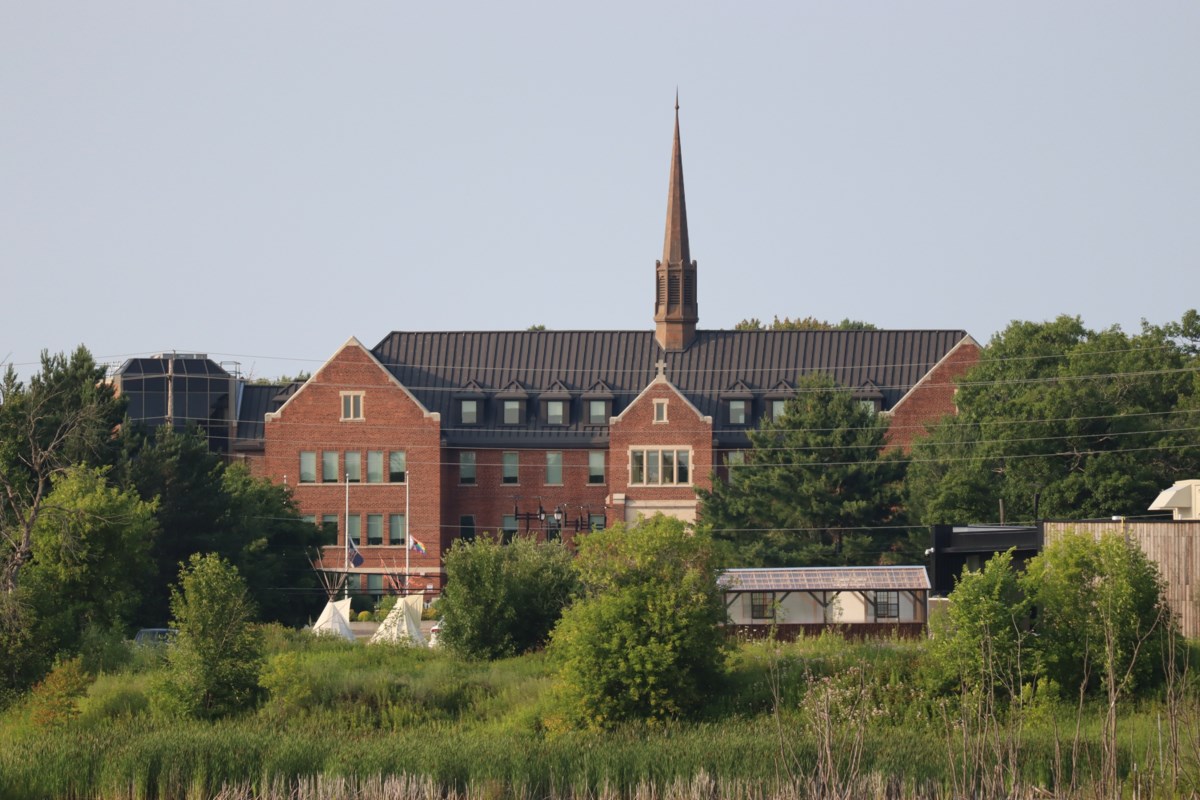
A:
[(257, 400), (828, 579), (184, 365), (437, 366)]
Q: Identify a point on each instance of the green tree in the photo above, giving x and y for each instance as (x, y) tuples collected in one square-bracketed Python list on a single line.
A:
[(979, 641), (66, 415), (206, 507), (1101, 617), (504, 599), (645, 641), (1081, 423), (813, 483), (214, 663), (803, 324), (92, 556)]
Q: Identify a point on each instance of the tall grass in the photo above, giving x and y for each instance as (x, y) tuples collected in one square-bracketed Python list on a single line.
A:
[(396, 722)]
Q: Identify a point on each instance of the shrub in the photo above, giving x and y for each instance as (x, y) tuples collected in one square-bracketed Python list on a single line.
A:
[(212, 668), (645, 641), (504, 599), (54, 701)]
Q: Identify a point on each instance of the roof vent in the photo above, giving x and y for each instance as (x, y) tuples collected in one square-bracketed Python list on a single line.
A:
[(1182, 499)]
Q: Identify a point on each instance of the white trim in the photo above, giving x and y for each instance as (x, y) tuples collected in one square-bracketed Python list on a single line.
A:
[(662, 379), (353, 342), (963, 341), (674, 448)]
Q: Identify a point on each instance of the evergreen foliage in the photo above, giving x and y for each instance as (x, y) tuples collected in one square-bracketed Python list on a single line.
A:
[(813, 481), (504, 599), (644, 642)]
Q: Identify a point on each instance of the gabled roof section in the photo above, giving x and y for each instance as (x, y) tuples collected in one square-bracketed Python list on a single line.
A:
[(513, 391), (557, 391), (437, 364), (782, 391), (662, 380), (315, 379), (471, 391), (738, 390), (599, 391), (868, 391)]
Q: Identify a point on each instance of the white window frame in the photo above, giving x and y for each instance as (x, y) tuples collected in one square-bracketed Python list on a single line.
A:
[(352, 404), (660, 412), (675, 450)]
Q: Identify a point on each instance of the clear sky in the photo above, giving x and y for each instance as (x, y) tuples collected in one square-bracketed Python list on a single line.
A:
[(262, 180)]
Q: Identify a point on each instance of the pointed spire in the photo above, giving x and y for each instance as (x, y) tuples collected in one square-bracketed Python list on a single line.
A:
[(675, 246), (675, 309)]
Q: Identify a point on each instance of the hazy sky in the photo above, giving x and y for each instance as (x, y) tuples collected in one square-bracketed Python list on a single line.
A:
[(262, 180)]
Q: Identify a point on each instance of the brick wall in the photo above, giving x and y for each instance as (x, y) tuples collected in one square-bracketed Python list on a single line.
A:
[(636, 428), (392, 420), (932, 398)]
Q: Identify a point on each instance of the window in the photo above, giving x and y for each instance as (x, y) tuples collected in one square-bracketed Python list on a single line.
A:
[(512, 412), (469, 412), (596, 522), (511, 466), (352, 405), (887, 605), (735, 458), (397, 529), (354, 528), (554, 466), (595, 466), (508, 528), (308, 466), (375, 466), (375, 529), (311, 519), (374, 584), (869, 405), (597, 412), (556, 412), (397, 466), (737, 412), (466, 468), (659, 467), (777, 408), (762, 605), (466, 527), (660, 411), (353, 466), (329, 464), (329, 528)]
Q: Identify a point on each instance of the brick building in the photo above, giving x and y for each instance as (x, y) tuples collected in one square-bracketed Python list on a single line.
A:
[(436, 436)]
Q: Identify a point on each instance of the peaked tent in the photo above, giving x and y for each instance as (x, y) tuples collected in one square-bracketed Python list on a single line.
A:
[(332, 621), (403, 623)]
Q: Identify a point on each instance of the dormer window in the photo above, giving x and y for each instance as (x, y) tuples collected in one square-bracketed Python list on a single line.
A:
[(598, 402), (778, 409), (511, 402), (556, 412), (512, 412), (598, 413), (737, 412), (469, 412)]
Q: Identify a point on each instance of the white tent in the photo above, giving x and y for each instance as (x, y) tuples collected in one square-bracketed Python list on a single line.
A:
[(332, 621), (403, 623)]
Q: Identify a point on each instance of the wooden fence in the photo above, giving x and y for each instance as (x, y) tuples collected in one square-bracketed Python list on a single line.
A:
[(1170, 544)]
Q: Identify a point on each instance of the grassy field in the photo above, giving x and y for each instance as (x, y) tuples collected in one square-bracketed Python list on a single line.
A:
[(816, 718)]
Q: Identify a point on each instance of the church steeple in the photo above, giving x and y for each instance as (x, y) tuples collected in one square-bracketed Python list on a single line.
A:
[(675, 310)]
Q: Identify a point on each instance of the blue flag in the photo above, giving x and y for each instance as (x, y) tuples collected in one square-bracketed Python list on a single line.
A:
[(356, 558)]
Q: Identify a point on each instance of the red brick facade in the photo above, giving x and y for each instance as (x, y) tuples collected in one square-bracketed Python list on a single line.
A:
[(932, 398), (391, 421)]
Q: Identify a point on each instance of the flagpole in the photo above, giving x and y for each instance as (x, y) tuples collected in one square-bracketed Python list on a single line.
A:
[(407, 527), (346, 546)]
